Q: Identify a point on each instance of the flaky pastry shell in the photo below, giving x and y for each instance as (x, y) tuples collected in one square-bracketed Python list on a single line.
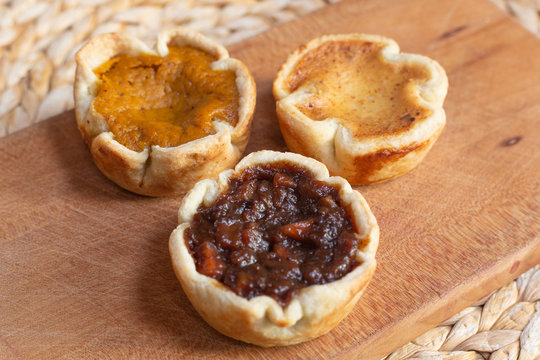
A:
[(314, 310), (158, 171), (380, 150)]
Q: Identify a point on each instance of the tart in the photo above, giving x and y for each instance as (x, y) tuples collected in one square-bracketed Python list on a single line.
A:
[(158, 120), (354, 102), (274, 252)]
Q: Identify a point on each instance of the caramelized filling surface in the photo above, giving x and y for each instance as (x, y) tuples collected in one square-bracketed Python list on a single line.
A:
[(275, 231), (166, 101), (350, 81)]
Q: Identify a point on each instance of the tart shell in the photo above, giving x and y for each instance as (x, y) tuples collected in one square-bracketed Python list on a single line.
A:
[(159, 171), (361, 159), (314, 310)]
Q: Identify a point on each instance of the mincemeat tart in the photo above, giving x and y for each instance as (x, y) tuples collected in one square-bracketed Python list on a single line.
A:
[(276, 251)]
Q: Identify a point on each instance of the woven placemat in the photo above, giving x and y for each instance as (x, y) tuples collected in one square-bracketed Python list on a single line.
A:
[(38, 40), (504, 325)]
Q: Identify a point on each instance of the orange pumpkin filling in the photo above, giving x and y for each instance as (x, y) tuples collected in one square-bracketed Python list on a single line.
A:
[(166, 101)]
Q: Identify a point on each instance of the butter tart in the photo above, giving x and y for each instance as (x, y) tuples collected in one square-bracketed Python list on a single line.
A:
[(157, 120), (354, 102), (274, 252)]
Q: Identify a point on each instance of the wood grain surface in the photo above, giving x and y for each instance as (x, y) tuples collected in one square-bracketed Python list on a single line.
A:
[(84, 265)]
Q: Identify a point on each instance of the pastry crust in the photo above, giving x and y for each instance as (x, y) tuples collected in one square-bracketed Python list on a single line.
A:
[(314, 310), (159, 171), (382, 149)]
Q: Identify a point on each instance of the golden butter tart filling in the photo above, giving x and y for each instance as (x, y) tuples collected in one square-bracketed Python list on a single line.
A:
[(351, 82), (165, 101)]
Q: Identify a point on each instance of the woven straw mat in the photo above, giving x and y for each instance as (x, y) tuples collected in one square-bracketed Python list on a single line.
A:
[(38, 40)]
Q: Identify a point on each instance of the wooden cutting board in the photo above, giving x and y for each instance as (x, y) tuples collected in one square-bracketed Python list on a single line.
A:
[(84, 265)]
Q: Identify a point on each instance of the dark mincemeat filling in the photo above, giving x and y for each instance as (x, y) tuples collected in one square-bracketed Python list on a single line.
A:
[(275, 231)]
